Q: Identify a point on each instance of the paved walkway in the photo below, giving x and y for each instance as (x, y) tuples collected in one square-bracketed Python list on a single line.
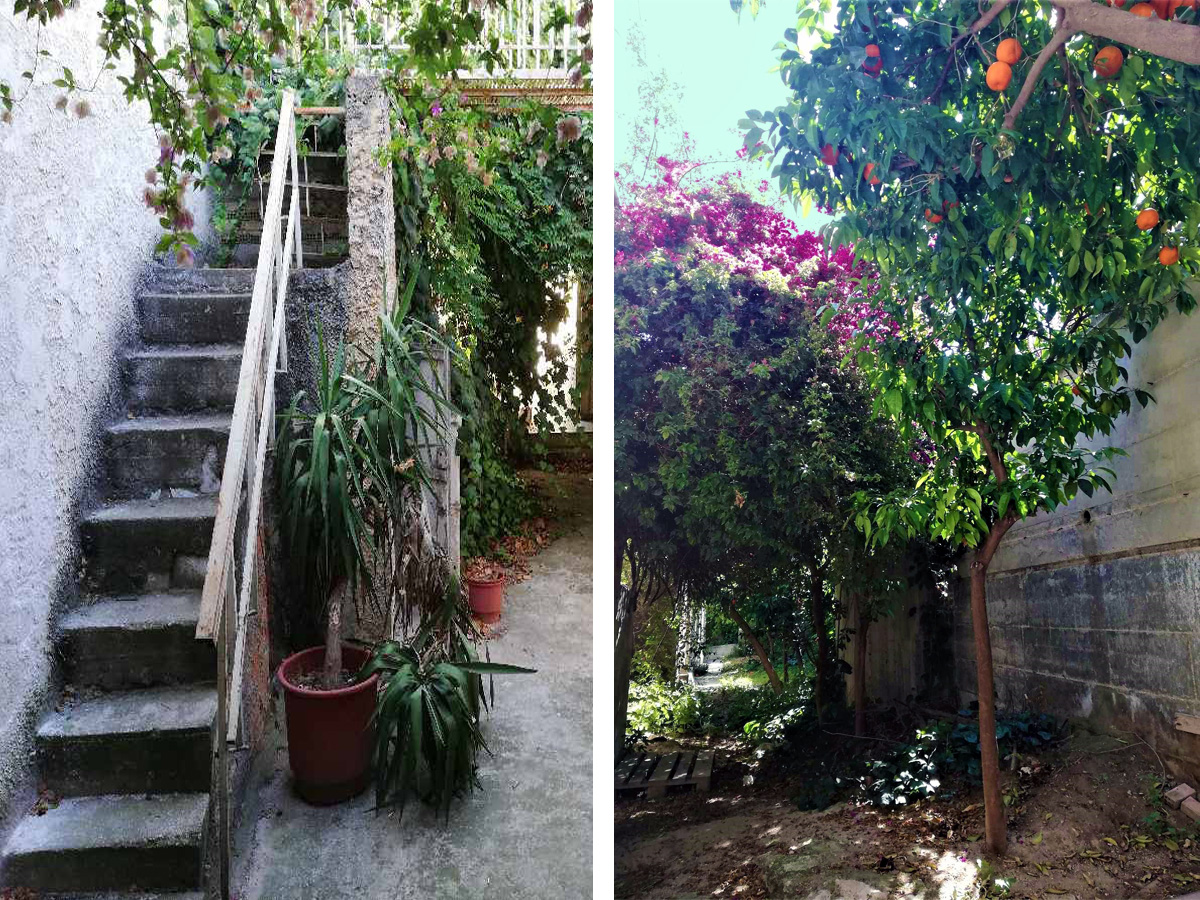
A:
[(527, 834)]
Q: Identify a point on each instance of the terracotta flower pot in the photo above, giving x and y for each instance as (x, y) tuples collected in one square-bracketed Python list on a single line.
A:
[(330, 733), (486, 599)]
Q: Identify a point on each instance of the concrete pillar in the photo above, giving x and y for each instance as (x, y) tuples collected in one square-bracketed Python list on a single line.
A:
[(370, 208)]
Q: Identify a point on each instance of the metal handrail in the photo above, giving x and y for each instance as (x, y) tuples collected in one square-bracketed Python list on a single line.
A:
[(264, 354)]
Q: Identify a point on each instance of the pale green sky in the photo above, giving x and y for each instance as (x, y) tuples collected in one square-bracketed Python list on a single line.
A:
[(720, 63)]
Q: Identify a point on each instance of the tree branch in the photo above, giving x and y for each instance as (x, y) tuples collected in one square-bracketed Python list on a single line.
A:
[(997, 464), (1060, 37), (1171, 40)]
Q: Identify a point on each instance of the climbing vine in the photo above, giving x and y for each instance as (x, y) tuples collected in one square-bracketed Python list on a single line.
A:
[(205, 61)]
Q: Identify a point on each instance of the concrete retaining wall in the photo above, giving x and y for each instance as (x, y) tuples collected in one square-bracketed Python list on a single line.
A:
[(74, 238), (1095, 610)]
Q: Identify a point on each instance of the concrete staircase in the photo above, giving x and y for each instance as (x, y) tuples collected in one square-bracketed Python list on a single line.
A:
[(127, 750), (324, 224)]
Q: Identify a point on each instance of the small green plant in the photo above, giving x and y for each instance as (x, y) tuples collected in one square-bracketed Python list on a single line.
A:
[(949, 748), (427, 714), (992, 885)]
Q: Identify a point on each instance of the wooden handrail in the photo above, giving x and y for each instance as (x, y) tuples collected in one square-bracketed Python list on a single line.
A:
[(224, 607), (219, 555)]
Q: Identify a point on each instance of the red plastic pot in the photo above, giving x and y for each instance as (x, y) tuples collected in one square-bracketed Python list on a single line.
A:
[(330, 733), (486, 599)]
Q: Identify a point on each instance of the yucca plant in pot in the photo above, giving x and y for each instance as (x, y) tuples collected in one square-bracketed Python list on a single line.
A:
[(430, 701), (347, 463)]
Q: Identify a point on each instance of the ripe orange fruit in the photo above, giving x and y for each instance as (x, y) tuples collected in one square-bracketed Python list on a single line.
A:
[(931, 217), (999, 76), (1147, 219), (1145, 10), (1108, 61), (873, 65), (868, 177), (1162, 8), (829, 155), (1168, 256), (1009, 51)]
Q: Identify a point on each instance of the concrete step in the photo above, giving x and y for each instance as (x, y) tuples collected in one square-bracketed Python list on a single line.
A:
[(137, 641), (194, 318), (166, 378), (149, 741), (173, 280), (110, 843), (153, 453), (107, 895), (312, 228), (126, 543), (326, 166), (315, 257)]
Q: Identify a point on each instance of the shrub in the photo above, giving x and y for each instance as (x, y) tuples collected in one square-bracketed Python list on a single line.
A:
[(659, 708), (948, 748)]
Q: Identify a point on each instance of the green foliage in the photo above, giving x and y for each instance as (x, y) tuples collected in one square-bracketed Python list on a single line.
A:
[(949, 748), (494, 219), (779, 727), (427, 732), (656, 707), (1015, 313), (346, 458), (739, 439)]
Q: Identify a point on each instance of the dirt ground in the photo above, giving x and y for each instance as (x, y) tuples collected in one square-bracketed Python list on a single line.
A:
[(1078, 828)]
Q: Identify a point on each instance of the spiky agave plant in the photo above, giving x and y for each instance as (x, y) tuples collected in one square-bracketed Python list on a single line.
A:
[(427, 715)]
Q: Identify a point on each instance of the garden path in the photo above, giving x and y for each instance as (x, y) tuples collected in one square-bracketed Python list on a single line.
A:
[(528, 832)]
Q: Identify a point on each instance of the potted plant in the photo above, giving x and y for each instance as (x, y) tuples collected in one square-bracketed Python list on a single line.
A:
[(485, 588), (430, 699), (347, 463)]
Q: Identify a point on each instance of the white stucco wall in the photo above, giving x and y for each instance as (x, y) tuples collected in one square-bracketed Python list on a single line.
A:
[(74, 239)]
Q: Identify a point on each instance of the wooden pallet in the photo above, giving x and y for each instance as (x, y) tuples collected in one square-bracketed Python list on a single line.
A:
[(654, 773)]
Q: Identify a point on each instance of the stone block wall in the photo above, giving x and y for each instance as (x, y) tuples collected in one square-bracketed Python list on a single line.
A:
[(1095, 610)]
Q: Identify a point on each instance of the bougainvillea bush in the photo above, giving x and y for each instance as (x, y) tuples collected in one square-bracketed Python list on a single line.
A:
[(740, 438), (733, 411)]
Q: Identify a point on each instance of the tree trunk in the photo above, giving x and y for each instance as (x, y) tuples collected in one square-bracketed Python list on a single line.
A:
[(626, 606), (624, 662), (860, 668), (757, 646), (816, 610), (995, 826), (332, 669)]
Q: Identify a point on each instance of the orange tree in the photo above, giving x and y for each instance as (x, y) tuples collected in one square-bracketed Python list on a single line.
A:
[(1033, 216)]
